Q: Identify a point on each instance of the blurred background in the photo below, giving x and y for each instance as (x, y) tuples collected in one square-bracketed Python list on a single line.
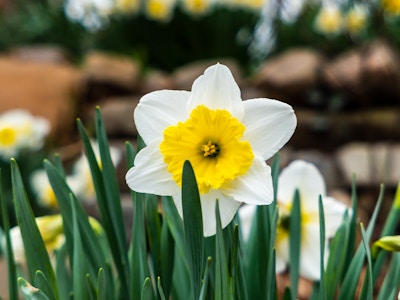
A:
[(336, 62)]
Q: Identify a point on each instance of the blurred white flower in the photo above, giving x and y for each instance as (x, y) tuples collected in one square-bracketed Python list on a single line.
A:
[(80, 181), (90, 13), (308, 180), (160, 10), (329, 20), (19, 130), (43, 190), (52, 232), (196, 7), (356, 19)]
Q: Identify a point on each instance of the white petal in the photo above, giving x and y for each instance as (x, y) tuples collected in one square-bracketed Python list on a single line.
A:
[(282, 254), (310, 262), (150, 173), (217, 89), (227, 208), (158, 110), (333, 213), (254, 187), (246, 215), (269, 125), (307, 179)]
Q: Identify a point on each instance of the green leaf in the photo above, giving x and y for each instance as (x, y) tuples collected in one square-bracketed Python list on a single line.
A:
[(147, 290), (30, 292), (160, 289), (138, 247), (41, 282), (63, 273), (391, 281), (368, 277), (206, 279), (322, 293), (102, 285), (108, 199), (11, 269), (36, 254), (294, 243), (221, 265), (167, 258), (79, 269), (153, 232), (350, 280), (193, 227), (95, 250)]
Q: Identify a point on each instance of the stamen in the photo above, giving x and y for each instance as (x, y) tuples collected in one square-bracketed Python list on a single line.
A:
[(210, 149)]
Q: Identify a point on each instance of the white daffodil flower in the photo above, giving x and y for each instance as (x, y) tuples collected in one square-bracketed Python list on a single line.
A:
[(356, 19), (19, 130), (52, 232), (227, 141), (80, 181), (310, 183), (330, 20), (43, 190), (306, 178)]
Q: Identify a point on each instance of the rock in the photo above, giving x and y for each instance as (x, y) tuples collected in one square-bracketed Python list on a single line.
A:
[(304, 289), (43, 54), (345, 73), (291, 73), (184, 76), (109, 75), (381, 71), (117, 114), (371, 163), (47, 90), (156, 80)]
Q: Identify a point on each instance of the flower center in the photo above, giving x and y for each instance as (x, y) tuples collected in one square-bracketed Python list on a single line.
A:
[(7, 136), (211, 141), (210, 149)]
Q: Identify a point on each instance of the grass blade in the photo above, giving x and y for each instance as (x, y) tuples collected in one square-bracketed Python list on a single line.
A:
[(193, 227), (294, 243)]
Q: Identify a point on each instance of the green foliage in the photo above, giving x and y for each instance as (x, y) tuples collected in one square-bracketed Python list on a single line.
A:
[(167, 258)]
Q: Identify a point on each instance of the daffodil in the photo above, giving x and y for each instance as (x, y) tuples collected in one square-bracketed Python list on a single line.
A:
[(392, 7), (19, 130), (52, 232), (226, 140), (196, 7), (43, 190), (160, 10), (307, 179), (127, 6), (356, 19), (330, 20), (80, 180)]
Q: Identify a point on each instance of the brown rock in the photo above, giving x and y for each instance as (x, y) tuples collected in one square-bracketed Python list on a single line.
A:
[(43, 54), (118, 116), (120, 72), (381, 69), (345, 73), (184, 77), (292, 72), (45, 90), (304, 289), (156, 80)]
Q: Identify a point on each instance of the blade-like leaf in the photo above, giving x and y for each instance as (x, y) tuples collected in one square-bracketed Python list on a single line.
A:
[(221, 264), (36, 254), (11, 269), (30, 292), (193, 227), (294, 244)]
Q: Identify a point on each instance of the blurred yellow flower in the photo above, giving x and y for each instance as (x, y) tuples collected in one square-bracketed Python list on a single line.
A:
[(196, 7), (160, 10), (251, 4), (329, 20), (356, 19), (391, 6), (52, 232), (127, 6), (43, 190), (19, 130)]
